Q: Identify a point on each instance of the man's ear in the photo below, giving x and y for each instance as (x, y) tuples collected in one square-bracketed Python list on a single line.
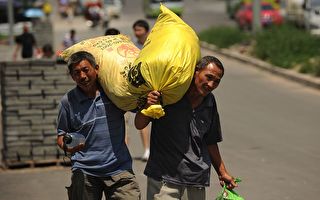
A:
[(196, 72), (97, 67)]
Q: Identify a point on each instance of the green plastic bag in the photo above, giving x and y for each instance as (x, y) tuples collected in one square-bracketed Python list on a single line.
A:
[(227, 194)]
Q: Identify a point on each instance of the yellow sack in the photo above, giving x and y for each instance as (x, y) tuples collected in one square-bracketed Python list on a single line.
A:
[(167, 60), (115, 55), (154, 111)]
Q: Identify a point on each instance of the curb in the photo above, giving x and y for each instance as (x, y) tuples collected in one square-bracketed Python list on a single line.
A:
[(288, 74)]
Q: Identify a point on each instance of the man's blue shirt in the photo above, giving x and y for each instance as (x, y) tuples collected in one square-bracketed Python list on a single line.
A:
[(102, 123)]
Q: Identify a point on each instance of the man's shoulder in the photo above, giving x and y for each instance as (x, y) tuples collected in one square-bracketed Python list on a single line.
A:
[(210, 99), (27, 35), (71, 94)]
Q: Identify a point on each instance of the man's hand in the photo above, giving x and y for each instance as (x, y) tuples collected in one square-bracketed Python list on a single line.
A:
[(141, 120), (153, 98), (14, 56), (71, 150), (76, 148), (228, 180)]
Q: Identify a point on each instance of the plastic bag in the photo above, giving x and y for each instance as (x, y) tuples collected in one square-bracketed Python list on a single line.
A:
[(167, 60), (115, 55), (227, 194)]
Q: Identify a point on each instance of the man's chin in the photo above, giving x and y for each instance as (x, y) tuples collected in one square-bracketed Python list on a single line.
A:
[(85, 86), (205, 93)]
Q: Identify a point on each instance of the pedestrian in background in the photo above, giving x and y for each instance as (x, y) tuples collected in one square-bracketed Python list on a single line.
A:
[(69, 39), (103, 163), (47, 51), (112, 31), (141, 32), (184, 141), (47, 8), (27, 43)]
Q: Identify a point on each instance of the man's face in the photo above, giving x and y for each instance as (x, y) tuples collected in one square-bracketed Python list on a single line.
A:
[(207, 79), (84, 74), (140, 32)]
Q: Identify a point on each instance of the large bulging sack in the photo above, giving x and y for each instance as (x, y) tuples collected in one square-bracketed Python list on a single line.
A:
[(115, 55), (167, 60)]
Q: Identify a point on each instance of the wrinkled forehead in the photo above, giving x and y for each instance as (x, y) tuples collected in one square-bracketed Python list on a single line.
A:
[(80, 64), (212, 69)]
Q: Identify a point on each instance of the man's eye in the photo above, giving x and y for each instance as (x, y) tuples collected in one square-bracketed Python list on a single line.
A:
[(86, 70), (214, 79), (210, 78)]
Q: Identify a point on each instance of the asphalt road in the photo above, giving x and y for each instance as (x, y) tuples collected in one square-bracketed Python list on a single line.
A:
[(271, 134)]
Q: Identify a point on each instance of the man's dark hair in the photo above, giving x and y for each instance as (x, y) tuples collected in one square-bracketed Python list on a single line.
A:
[(78, 57), (112, 31), (141, 23), (206, 60), (72, 31), (47, 50)]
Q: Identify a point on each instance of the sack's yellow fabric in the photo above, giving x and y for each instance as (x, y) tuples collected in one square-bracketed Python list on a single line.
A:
[(115, 55), (167, 60), (154, 111)]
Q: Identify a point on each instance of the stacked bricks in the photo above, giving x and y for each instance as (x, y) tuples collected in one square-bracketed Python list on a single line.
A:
[(30, 93)]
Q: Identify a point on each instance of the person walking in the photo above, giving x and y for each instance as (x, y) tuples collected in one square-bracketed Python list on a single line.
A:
[(141, 32), (184, 142), (69, 39), (112, 31), (27, 43), (102, 164), (47, 51)]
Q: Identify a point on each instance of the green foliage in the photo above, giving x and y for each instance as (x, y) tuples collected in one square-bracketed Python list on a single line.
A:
[(286, 46), (223, 37), (311, 67), (2, 37)]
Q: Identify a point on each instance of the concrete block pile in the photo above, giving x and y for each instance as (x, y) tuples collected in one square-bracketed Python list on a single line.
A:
[(30, 93)]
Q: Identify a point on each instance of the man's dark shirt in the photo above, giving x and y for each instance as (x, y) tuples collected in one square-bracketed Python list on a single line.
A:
[(179, 142), (27, 41)]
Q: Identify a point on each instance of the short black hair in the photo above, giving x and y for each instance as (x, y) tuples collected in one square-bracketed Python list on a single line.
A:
[(47, 50), (77, 57), (206, 60), (112, 31), (142, 23)]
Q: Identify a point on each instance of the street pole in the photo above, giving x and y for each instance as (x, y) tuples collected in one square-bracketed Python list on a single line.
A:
[(307, 11), (10, 22), (256, 22)]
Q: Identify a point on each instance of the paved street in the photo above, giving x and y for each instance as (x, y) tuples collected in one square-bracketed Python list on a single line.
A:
[(270, 128)]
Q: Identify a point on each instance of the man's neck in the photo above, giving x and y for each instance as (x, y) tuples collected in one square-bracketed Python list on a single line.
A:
[(142, 40), (194, 97), (91, 92)]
